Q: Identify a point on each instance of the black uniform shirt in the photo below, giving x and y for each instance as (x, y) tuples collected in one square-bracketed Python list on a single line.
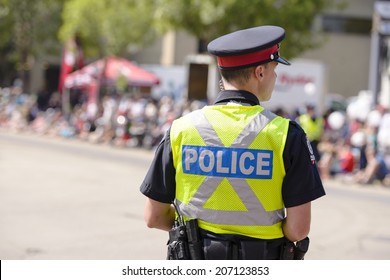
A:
[(301, 184)]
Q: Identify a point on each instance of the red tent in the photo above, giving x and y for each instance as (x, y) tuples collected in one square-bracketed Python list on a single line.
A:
[(108, 71)]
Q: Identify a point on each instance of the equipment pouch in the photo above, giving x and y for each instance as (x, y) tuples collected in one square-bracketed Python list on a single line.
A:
[(295, 251), (287, 251), (178, 244), (301, 248), (185, 242), (195, 242)]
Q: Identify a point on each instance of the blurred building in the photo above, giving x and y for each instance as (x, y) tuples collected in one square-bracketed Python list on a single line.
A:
[(346, 50)]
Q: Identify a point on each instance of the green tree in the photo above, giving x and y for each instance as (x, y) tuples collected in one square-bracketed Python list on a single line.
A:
[(28, 32), (31, 30), (108, 27), (208, 19)]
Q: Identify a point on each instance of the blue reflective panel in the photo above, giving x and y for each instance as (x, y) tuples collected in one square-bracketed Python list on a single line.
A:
[(227, 162)]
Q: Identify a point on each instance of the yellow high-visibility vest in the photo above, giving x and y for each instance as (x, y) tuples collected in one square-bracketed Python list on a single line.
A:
[(230, 169)]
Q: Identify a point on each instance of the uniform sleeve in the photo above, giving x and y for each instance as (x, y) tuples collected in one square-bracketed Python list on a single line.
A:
[(159, 182), (302, 182)]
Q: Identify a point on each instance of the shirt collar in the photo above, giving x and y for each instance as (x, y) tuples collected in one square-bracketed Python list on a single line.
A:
[(240, 96)]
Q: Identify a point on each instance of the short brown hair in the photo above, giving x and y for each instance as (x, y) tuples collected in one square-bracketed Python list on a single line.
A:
[(241, 76)]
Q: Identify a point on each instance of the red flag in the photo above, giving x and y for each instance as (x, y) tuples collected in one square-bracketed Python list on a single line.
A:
[(67, 62), (72, 59)]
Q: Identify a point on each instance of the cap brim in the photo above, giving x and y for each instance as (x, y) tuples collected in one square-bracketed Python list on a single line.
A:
[(282, 60)]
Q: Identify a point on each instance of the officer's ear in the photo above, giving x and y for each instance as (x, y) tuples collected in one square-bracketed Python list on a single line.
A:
[(259, 71)]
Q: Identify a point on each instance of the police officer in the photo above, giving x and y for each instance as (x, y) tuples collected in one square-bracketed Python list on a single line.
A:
[(313, 126), (247, 175)]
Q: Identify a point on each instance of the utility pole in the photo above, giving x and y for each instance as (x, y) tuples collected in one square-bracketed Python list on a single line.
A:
[(379, 54)]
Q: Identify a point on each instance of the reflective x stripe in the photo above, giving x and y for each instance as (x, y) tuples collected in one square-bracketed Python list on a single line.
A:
[(255, 215)]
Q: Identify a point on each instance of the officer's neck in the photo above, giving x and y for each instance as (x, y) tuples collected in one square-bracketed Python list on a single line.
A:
[(248, 87)]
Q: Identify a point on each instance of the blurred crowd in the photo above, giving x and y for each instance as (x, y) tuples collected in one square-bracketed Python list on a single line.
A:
[(353, 145), (361, 149), (126, 120)]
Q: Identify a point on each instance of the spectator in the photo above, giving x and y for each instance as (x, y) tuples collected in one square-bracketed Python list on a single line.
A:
[(336, 158), (376, 168), (346, 159)]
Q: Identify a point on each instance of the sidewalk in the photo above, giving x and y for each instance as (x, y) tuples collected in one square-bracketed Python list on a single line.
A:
[(343, 182)]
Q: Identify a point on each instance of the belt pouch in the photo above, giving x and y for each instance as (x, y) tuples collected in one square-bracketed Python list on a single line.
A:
[(216, 249), (253, 250)]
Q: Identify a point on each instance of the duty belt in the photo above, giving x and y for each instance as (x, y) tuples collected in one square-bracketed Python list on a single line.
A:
[(218, 247)]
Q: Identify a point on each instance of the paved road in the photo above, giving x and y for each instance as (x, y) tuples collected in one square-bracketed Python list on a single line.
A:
[(66, 199)]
